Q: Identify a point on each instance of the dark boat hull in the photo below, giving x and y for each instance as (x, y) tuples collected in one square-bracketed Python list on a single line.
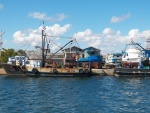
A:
[(131, 72)]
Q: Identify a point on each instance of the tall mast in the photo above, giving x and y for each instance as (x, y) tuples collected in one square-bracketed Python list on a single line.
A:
[(1, 34), (43, 45)]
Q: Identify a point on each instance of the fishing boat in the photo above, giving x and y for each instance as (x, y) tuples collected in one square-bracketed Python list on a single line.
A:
[(131, 57), (135, 55), (134, 62), (21, 65)]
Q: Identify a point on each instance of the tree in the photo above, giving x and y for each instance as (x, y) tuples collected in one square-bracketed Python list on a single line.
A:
[(21, 52), (7, 53)]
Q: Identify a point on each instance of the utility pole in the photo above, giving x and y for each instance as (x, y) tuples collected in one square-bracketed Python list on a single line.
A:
[(1, 34)]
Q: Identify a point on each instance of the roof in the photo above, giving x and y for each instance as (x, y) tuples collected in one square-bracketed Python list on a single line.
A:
[(91, 59), (91, 48), (73, 47)]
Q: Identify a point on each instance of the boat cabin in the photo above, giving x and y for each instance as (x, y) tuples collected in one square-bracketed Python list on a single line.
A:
[(17, 60)]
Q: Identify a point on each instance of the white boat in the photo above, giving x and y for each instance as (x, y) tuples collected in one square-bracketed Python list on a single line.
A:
[(113, 59), (132, 56)]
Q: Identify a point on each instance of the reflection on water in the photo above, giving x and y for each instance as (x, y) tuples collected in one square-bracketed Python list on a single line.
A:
[(90, 94)]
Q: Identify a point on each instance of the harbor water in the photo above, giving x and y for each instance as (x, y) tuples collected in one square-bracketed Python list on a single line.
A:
[(96, 94)]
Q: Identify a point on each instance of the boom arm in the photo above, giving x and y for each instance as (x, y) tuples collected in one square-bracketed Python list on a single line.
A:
[(60, 49), (138, 45)]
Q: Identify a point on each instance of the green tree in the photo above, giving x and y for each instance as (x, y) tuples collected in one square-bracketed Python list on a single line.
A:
[(21, 52), (7, 53)]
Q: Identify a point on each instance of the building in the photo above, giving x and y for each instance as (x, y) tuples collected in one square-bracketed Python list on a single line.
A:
[(92, 57), (72, 55)]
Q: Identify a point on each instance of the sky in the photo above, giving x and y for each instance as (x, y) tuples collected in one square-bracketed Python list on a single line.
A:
[(107, 25)]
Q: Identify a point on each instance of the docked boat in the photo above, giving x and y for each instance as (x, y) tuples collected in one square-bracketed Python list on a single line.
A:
[(132, 56), (135, 62), (21, 65), (113, 60), (135, 56)]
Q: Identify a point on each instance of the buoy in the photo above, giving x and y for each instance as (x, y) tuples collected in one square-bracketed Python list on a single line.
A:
[(23, 68), (55, 71), (35, 71)]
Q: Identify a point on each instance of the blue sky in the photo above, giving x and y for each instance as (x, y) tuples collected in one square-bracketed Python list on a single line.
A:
[(105, 24)]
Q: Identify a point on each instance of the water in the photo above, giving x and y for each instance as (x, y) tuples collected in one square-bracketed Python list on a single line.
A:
[(98, 94)]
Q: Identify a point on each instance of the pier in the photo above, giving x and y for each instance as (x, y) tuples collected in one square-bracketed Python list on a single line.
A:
[(103, 72)]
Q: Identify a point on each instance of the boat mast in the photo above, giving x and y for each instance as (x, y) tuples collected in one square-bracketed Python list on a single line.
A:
[(1, 34), (43, 45)]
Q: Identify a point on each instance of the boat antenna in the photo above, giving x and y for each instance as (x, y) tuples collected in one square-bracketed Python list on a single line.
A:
[(1, 34)]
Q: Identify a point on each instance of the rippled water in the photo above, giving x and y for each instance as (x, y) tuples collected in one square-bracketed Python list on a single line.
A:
[(78, 95)]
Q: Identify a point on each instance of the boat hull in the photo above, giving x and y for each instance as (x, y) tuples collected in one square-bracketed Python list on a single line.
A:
[(46, 72), (130, 72), (129, 64)]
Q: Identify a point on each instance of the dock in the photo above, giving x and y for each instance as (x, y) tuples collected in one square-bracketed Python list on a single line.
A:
[(103, 72), (2, 71)]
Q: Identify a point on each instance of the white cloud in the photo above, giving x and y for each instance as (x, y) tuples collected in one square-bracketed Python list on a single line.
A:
[(44, 16), (61, 16), (1, 6), (88, 37), (116, 19), (110, 41), (108, 31), (55, 47), (145, 34), (29, 37)]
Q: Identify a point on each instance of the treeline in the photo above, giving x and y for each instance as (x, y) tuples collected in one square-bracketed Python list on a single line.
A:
[(5, 53)]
